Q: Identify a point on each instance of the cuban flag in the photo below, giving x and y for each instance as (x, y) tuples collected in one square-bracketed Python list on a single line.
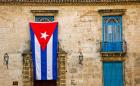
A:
[(44, 40)]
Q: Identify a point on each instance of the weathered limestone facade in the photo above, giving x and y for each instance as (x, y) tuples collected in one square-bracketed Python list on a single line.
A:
[(79, 29)]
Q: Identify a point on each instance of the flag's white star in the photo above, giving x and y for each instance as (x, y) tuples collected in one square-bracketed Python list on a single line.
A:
[(44, 35)]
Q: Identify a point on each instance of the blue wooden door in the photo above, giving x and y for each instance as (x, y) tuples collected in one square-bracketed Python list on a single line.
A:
[(113, 73), (112, 34)]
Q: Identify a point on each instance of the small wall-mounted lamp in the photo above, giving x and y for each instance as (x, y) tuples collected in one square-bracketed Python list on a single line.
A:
[(6, 59), (81, 58)]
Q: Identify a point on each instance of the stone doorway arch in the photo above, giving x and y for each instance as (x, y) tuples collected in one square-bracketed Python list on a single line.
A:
[(27, 71)]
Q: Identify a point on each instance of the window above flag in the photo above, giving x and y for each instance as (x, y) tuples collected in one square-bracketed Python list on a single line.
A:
[(44, 18)]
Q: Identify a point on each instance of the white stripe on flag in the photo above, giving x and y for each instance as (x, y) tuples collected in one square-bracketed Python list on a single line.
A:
[(49, 59), (37, 59)]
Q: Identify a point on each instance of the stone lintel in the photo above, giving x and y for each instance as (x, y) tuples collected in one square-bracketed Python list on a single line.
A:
[(106, 12), (104, 59), (44, 12)]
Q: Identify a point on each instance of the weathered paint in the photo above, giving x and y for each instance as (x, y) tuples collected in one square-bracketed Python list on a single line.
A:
[(112, 34), (113, 73)]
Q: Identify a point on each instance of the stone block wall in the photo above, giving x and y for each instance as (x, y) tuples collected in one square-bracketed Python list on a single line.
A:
[(79, 30), (14, 71)]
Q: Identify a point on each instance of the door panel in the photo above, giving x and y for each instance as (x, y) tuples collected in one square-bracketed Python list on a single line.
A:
[(112, 26), (113, 73), (112, 33)]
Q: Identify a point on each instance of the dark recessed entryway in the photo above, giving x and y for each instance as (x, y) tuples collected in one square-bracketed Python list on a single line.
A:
[(45, 83)]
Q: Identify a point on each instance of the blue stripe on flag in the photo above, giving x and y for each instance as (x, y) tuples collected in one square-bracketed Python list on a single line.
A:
[(54, 65), (33, 52), (43, 64)]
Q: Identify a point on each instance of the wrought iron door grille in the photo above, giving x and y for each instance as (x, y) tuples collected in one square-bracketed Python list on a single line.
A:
[(113, 47), (44, 18)]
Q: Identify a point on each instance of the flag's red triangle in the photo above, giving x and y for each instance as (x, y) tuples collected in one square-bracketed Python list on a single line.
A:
[(43, 31)]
